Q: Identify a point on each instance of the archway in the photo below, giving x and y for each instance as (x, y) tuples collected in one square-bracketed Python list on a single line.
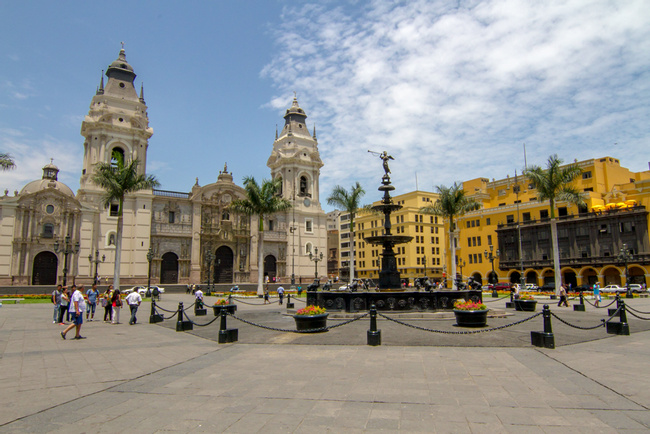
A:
[(477, 278), (270, 267), (515, 277), (531, 277), (637, 275), (44, 269), (570, 278), (223, 265), (549, 277), (492, 277), (589, 277), (169, 268), (612, 276)]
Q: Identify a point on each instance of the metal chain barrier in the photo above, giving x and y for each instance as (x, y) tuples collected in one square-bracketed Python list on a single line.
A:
[(602, 324), (200, 325), (245, 302), (628, 307), (322, 329), (635, 315), (165, 310), (455, 332), (497, 299), (600, 307), (163, 316)]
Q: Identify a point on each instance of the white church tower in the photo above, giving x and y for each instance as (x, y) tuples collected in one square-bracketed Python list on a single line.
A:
[(295, 159), (117, 122)]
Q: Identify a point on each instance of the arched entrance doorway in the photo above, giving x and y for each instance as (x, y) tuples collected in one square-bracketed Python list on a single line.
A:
[(44, 271), (270, 267), (223, 262), (515, 277), (477, 278), (637, 275), (169, 268), (570, 278), (531, 277), (612, 276), (589, 277)]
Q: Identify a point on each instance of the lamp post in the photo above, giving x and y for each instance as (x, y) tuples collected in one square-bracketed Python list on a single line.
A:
[(66, 249), (491, 257), (292, 229), (461, 264), (96, 261), (424, 262), (316, 258), (149, 259), (625, 256), (209, 257)]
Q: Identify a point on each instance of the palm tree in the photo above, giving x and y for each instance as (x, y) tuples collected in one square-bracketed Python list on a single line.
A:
[(119, 180), (348, 201), (554, 184), (6, 161), (452, 202), (261, 201)]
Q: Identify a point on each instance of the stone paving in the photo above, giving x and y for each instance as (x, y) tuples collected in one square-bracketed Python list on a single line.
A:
[(149, 378)]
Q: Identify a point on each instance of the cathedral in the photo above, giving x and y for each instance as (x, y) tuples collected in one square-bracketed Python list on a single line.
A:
[(50, 235)]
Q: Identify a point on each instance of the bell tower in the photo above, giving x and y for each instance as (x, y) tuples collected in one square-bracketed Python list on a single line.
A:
[(116, 122), (296, 160)]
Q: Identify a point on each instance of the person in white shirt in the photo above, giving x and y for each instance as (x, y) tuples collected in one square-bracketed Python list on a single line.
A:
[(77, 309), (133, 299), (199, 298)]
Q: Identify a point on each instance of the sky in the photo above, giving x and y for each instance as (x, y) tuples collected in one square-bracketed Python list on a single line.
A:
[(451, 90)]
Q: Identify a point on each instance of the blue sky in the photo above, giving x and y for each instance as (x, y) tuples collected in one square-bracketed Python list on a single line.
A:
[(452, 90)]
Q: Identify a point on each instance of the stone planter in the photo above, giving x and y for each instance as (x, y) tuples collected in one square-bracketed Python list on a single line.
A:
[(311, 322), (230, 308), (471, 318), (526, 305)]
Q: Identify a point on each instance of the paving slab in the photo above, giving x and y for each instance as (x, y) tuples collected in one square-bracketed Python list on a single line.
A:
[(150, 378)]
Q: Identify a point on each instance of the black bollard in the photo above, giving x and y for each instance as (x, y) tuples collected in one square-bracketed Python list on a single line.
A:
[(580, 307), (374, 335), (621, 327), (511, 304), (611, 311), (226, 335), (544, 339), (181, 325), (289, 303), (154, 317)]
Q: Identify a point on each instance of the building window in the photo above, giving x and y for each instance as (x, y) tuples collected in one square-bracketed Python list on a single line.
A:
[(171, 215), (308, 225), (48, 230), (114, 210), (526, 216), (562, 211), (487, 221), (308, 249), (110, 239), (586, 175), (510, 218), (225, 215), (271, 225), (543, 214), (489, 240)]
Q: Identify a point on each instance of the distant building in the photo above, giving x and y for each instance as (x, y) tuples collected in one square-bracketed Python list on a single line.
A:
[(182, 229), (590, 238)]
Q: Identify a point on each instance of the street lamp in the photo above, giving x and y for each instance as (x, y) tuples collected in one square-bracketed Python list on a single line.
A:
[(625, 256), (491, 257), (96, 261), (316, 258), (209, 257), (66, 249), (149, 259), (424, 262), (461, 264)]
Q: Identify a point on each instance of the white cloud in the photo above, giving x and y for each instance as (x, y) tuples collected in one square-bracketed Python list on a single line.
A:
[(452, 93)]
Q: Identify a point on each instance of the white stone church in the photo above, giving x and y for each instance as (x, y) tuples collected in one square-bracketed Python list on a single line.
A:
[(183, 229)]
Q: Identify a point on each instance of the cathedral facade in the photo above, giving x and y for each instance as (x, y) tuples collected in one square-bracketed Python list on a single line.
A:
[(49, 235)]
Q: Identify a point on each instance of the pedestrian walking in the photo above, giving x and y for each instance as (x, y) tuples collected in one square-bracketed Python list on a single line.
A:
[(133, 299), (597, 294), (116, 302), (266, 294), (107, 303), (198, 295), (65, 299), (280, 293), (56, 301), (77, 309), (563, 299), (73, 288), (92, 295)]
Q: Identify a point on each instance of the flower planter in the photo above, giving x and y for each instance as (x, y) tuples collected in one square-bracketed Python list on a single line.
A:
[(230, 308), (526, 305), (311, 322), (471, 318)]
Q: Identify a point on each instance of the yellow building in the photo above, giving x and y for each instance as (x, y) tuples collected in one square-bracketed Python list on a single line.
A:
[(591, 238), (423, 255)]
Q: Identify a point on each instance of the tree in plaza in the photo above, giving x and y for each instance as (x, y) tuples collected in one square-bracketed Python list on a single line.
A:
[(555, 184), (261, 201), (350, 202), (119, 179), (6, 161), (452, 202)]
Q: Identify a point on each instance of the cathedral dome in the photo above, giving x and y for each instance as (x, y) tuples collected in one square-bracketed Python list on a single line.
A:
[(121, 63), (49, 181)]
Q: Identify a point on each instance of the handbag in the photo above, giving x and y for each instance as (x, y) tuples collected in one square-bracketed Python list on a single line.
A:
[(104, 302)]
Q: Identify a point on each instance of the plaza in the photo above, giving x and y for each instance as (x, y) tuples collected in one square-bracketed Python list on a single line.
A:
[(150, 378)]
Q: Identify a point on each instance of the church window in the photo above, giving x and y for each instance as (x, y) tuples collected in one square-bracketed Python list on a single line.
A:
[(114, 210), (48, 230), (225, 215), (271, 224), (117, 155), (49, 209), (111, 239), (309, 225), (171, 216), (308, 248), (303, 186)]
